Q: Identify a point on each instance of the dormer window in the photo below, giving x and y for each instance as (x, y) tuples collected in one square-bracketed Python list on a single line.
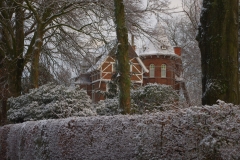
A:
[(144, 48), (163, 47), (84, 69)]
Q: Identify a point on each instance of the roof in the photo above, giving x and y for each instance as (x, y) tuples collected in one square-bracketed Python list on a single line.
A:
[(156, 49), (154, 46), (131, 52), (83, 79), (102, 54), (99, 63), (103, 57)]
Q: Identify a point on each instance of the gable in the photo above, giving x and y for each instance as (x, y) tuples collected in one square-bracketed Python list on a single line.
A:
[(134, 60), (110, 58), (131, 52)]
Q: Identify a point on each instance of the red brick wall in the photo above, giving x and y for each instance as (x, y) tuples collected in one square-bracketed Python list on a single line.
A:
[(95, 76), (158, 61), (95, 87)]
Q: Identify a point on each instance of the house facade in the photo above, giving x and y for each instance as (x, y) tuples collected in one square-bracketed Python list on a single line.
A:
[(99, 75), (164, 65), (153, 63)]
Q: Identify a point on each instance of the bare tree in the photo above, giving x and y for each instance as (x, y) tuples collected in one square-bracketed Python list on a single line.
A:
[(182, 30), (57, 33)]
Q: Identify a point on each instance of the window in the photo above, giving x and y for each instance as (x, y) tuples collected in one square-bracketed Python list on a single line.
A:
[(84, 69), (152, 71), (131, 67), (163, 47), (163, 71)]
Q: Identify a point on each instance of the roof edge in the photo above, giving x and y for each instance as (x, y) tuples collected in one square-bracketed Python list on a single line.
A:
[(142, 64)]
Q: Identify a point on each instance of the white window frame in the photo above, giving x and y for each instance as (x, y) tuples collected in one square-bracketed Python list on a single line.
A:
[(163, 71), (151, 70)]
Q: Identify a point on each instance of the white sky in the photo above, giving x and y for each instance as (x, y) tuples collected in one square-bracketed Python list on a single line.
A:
[(176, 3)]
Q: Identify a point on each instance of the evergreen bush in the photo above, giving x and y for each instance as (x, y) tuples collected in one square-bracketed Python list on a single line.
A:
[(145, 99), (50, 102)]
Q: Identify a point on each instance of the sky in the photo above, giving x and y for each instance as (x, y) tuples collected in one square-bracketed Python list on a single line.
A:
[(176, 4)]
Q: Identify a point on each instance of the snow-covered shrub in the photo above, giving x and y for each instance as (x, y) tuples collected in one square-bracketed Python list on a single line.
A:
[(149, 98), (50, 101), (197, 132), (112, 90), (153, 97), (108, 107)]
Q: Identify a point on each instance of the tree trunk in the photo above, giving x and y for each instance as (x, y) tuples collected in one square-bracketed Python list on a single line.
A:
[(11, 59), (15, 64), (15, 70), (218, 42), (3, 115), (185, 93), (122, 57), (238, 35), (34, 75), (41, 18)]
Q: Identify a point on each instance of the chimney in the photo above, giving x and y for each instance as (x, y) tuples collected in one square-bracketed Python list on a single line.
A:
[(177, 50), (133, 45)]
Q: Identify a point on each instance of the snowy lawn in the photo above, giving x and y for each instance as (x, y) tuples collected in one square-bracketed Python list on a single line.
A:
[(208, 132)]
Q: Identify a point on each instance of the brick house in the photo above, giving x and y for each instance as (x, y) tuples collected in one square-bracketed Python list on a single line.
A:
[(99, 74), (154, 62), (164, 64)]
